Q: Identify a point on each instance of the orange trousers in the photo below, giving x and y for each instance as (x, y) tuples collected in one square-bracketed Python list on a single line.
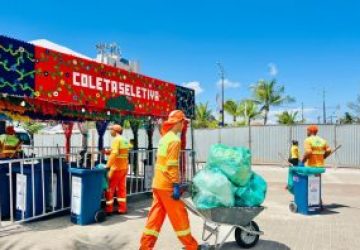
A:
[(164, 204), (117, 184)]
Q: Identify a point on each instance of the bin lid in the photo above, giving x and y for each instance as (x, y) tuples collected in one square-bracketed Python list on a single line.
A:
[(85, 171)]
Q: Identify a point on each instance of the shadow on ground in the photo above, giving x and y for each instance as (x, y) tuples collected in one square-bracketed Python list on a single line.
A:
[(136, 210), (261, 245)]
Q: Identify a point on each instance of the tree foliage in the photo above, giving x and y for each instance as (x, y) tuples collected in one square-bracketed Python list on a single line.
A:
[(232, 108), (288, 118), (268, 94), (204, 117)]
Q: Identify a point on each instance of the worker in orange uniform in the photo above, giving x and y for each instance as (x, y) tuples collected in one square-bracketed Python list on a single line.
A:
[(117, 164), (167, 189), (316, 148)]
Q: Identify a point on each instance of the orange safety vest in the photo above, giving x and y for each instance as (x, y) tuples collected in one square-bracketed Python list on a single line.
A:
[(119, 155), (167, 162), (317, 147)]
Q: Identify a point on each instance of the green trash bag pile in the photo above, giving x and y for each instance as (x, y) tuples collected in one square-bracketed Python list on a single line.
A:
[(227, 180), (305, 171)]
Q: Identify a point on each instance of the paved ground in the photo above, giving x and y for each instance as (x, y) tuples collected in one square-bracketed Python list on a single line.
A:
[(337, 228)]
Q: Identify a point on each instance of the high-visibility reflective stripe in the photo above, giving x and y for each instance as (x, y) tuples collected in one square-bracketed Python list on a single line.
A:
[(173, 163), (122, 156), (183, 232), (161, 168), (318, 152), (110, 202), (151, 232), (121, 199)]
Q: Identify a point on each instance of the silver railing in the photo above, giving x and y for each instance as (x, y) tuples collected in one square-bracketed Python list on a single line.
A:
[(32, 188)]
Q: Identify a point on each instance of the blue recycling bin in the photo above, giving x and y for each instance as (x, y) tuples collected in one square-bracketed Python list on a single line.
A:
[(4, 191), (28, 190), (86, 194), (307, 193), (57, 195)]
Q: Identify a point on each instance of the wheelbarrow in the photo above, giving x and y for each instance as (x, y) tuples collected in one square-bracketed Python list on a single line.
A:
[(240, 219)]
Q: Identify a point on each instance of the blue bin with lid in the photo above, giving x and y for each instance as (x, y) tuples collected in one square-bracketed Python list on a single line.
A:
[(307, 193), (86, 194)]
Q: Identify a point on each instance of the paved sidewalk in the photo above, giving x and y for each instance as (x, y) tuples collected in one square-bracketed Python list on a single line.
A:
[(337, 228)]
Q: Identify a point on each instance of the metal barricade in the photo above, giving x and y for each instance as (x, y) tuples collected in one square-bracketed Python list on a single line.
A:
[(33, 188)]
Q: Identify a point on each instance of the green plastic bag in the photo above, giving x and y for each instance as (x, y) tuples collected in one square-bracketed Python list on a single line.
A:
[(301, 171), (253, 194), (105, 183), (212, 189), (234, 162)]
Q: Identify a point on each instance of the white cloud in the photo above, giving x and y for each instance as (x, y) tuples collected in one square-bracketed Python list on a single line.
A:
[(195, 85), (273, 71), (306, 111), (228, 84)]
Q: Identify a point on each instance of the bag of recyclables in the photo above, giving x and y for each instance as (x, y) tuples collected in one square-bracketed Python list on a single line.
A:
[(233, 162), (212, 189), (253, 194)]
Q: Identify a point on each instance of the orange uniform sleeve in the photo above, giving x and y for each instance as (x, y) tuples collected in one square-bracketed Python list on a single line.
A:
[(173, 155)]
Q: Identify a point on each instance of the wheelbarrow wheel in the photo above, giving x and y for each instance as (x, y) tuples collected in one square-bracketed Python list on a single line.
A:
[(293, 207), (245, 239), (100, 216)]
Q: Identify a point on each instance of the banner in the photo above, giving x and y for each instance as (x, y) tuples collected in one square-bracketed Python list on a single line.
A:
[(45, 75)]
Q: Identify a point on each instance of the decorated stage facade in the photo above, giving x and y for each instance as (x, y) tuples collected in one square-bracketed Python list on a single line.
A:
[(44, 84)]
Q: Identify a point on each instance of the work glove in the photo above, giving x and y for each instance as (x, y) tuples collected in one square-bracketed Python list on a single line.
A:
[(178, 190)]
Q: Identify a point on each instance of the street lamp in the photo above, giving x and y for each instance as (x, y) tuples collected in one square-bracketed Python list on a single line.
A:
[(222, 76)]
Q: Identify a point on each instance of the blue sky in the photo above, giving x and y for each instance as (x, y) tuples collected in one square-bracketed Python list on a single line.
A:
[(310, 46)]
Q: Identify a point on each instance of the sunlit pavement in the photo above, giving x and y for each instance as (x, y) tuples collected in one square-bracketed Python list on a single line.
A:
[(338, 227)]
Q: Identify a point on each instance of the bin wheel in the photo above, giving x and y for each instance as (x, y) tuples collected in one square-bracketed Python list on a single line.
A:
[(293, 207), (246, 240), (100, 216)]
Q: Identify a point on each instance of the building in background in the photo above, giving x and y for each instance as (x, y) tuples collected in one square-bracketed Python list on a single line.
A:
[(109, 54)]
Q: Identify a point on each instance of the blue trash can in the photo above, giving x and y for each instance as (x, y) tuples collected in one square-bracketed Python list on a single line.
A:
[(28, 191), (307, 193), (86, 193), (4, 191)]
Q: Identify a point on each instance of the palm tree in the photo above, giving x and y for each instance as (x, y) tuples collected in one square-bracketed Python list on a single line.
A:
[(355, 106), (249, 110), (232, 108), (203, 116), (288, 118), (347, 119), (268, 94)]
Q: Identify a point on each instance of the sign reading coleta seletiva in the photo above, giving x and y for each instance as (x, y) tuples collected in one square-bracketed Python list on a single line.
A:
[(46, 75)]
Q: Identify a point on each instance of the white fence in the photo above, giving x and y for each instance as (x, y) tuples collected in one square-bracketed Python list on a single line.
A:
[(271, 144), (52, 140)]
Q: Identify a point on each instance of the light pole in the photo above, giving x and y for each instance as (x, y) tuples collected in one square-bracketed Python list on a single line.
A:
[(222, 76)]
